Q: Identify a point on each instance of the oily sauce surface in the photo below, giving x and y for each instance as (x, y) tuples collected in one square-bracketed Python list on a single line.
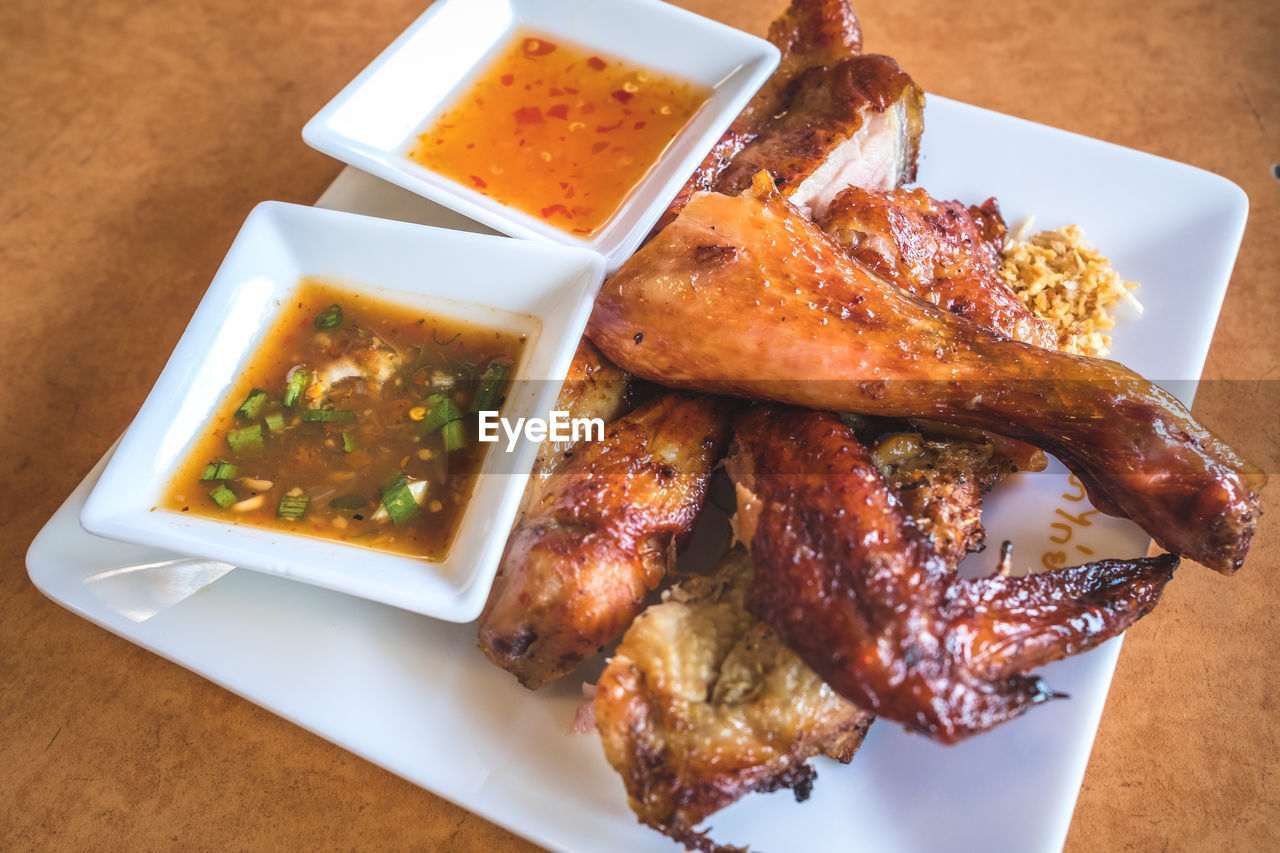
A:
[(557, 131), (352, 423)]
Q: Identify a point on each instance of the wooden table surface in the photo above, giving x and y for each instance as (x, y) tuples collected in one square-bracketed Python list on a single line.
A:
[(134, 139)]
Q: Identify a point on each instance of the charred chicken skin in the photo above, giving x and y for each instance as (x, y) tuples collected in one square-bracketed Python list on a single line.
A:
[(743, 295), (941, 251), (852, 586), (702, 703), (582, 558)]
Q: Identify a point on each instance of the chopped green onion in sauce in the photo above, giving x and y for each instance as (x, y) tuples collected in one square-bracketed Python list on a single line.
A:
[(219, 471), (399, 501), (252, 404), (440, 410), (223, 496), (329, 318), (493, 381), (455, 435), (245, 438), (294, 386), (355, 421), (292, 506)]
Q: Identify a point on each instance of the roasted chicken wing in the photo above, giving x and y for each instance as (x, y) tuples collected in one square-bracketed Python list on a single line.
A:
[(851, 585), (702, 703), (582, 558), (744, 295)]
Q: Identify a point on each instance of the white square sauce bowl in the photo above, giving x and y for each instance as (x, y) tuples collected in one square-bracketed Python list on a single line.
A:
[(375, 121), (537, 290)]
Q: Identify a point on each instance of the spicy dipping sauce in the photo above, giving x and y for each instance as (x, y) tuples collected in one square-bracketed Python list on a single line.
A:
[(355, 421), (557, 131)]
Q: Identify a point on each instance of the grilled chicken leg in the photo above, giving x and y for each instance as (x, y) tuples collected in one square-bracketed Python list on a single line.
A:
[(743, 295)]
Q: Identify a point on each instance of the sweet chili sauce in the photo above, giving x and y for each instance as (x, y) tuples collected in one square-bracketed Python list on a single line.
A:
[(557, 131)]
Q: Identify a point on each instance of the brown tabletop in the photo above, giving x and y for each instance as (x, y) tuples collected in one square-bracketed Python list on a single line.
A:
[(134, 139)]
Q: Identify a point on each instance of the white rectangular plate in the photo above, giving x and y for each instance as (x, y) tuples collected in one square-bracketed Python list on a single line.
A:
[(416, 697)]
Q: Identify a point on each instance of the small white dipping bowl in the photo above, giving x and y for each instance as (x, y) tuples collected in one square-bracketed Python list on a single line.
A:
[(534, 288), (374, 122)]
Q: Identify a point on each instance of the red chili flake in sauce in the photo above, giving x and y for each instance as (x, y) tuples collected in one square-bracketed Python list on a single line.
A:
[(528, 115), (538, 47), (542, 92), (478, 181)]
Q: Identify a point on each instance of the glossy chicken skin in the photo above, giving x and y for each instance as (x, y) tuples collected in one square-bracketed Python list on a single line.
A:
[(581, 560), (743, 295), (593, 387), (851, 585), (941, 251), (809, 34), (702, 703), (857, 122)]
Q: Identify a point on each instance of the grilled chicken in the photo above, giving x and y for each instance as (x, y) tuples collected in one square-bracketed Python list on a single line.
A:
[(852, 586), (857, 122), (941, 251), (579, 563), (593, 388), (702, 703), (743, 295), (810, 34), (940, 484)]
